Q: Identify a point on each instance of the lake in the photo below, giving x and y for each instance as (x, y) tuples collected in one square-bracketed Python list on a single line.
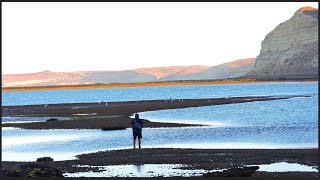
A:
[(288, 123)]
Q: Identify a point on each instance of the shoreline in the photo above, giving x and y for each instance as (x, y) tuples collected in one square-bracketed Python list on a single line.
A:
[(207, 159), (147, 84), (96, 123)]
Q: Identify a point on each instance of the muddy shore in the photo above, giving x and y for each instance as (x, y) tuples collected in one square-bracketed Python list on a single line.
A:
[(207, 159), (115, 123)]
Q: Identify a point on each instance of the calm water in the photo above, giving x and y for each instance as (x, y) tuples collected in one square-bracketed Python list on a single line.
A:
[(290, 123), (147, 170), (171, 170)]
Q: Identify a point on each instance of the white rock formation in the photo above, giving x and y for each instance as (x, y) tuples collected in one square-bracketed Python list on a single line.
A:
[(290, 51)]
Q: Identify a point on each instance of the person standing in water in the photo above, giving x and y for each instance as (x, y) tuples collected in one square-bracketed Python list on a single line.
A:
[(137, 124)]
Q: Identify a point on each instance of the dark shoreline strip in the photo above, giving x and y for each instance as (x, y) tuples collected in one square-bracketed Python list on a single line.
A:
[(195, 158)]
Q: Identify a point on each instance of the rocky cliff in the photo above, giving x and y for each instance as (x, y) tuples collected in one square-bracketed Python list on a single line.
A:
[(290, 51)]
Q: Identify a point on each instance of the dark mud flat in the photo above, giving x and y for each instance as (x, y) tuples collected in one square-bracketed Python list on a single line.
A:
[(207, 159), (103, 123), (114, 114)]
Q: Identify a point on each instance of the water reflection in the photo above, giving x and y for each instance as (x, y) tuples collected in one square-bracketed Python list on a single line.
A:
[(172, 170), (286, 167), (139, 170), (138, 167)]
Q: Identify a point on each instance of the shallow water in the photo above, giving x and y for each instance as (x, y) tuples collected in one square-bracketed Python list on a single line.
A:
[(172, 170), (286, 167), (144, 170), (295, 112)]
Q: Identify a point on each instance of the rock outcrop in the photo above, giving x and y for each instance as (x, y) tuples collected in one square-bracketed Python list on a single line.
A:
[(33, 170), (290, 51), (44, 159)]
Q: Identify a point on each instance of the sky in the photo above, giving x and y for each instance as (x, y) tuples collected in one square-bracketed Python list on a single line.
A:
[(83, 36)]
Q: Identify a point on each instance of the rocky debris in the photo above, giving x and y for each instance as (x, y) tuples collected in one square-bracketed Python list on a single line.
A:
[(234, 172), (44, 159), (33, 170), (52, 119), (290, 51), (113, 128)]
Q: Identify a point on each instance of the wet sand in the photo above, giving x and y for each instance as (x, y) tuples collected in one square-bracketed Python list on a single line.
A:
[(207, 159), (113, 114)]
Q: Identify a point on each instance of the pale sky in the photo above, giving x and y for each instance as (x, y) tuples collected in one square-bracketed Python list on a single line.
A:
[(83, 36)]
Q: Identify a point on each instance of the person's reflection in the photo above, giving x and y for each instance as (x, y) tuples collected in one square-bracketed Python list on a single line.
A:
[(138, 166)]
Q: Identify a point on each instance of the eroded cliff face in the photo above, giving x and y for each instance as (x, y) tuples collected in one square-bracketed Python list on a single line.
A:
[(290, 51)]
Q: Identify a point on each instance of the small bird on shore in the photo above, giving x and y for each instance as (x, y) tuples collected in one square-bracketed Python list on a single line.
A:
[(46, 105), (106, 103), (209, 100)]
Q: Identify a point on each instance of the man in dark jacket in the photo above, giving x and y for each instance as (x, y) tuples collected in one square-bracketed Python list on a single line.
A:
[(137, 124)]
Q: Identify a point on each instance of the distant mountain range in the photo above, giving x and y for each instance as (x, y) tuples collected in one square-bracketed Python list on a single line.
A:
[(232, 69), (48, 78), (290, 51)]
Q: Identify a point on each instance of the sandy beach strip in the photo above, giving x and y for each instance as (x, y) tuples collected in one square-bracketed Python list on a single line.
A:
[(147, 84), (106, 123)]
